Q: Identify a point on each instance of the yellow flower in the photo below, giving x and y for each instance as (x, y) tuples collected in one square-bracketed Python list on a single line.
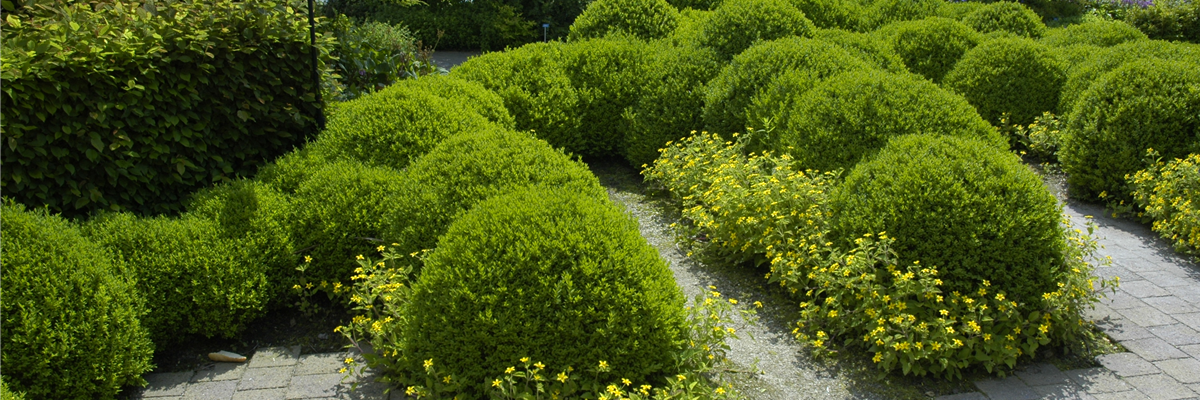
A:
[(349, 360), (562, 376), (878, 357), (539, 365), (428, 363), (626, 382), (758, 304), (496, 383), (949, 329), (680, 377), (603, 365), (342, 371), (359, 257), (509, 370), (524, 359), (446, 379), (732, 301), (720, 390)]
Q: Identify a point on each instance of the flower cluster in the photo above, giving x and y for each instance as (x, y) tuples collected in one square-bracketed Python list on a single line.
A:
[(381, 288), (304, 289), (1169, 192), (1042, 138)]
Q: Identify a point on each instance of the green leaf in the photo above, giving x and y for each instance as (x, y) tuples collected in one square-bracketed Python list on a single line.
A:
[(243, 115), (96, 142)]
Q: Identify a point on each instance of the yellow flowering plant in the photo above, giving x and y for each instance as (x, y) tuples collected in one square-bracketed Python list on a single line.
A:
[(381, 287), (1169, 193), (1042, 138), (305, 288)]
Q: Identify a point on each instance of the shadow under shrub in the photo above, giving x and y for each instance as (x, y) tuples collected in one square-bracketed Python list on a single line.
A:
[(1014, 76), (71, 326)]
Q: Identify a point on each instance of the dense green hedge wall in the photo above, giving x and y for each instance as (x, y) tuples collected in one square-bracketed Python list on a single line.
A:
[(1167, 20), (1006, 16), (673, 101), (549, 274), (1144, 104), (1094, 32), (737, 24), (609, 76), (883, 12), (834, 14), (864, 46), (121, 108), (1016, 76), (852, 115), (1087, 74), (644, 19), (972, 211), (930, 47), (469, 25), (70, 328)]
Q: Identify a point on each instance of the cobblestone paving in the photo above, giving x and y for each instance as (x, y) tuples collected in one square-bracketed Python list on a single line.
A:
[(1155, 314)]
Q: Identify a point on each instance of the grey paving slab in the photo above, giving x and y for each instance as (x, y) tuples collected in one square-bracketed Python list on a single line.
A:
[(1192, 320), (1164, 279), (1176, 334), (1042, 374), (1184, 370), (1126, 395), (266, 378), (1115, 271), (166, 384), (1142, 289), (219, 372), (275, 357), (1153, 349), (1097, 380), (316, 386), (220, 390), (1160, 387), (1123, 329), (1127, 364), (261, 394), (1189, 294), (1122, 300), (1062, 391), (1010, 388), (1192, 350), (1137, 264), (1099, 312), (963, 396), (1147, 316), (325, 363), (1170, 305)]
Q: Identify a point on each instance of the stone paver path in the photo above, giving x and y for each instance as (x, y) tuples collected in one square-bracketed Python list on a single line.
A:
[(1155, 314), (274, 373)]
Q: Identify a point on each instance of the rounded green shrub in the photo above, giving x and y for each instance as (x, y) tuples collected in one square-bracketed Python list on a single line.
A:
[(673, 105), (393, 126), (470, 168), (729, 94), (956, 10), (864, 46), (737, 24), (691, 27), (341, 212), (1016, 76), (609, 76), (1085, 75), (195, 281), (833, 14), (883, 12), (549, 274), (698, 5), (972, 211), (1006, 16), (7, 394), (1144, 104), (71, 325), (287, 172), (644, 19), (853, 115), (472, 94), (1073, 56), (930, 47), (1103, 33)]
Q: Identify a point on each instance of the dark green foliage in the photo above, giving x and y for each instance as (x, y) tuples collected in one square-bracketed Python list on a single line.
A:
[(755, 70), (737, 24), (371, 56), (700, 5), (972, 211), (1094, 32), (195, 280), (1144, 104), (833, 14), (930, 47), (1166, 20), (550, 274), (1006, 16), (258, 217), (853, 115), (1016, 76), (70, 328), (1085, 75), (609, 76), (883, 12), (134, 110), (864, 46), (470, 168), (673, 101), (287, 172), (644, 19), (341, 211), (478, 24)]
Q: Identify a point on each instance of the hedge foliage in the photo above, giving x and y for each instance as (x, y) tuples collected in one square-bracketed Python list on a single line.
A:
[(1101, 33), (125, 108), (1144, 104), (71, 325), (1168, 20), (930, 47), (883, 12), (673, 101), (962, 206), (609, 76), (1084, 76), (737, 24), (1006, 16), (469, 25), (573, 270), (1014, 76), (833, 14), (853, 115), (644, 19), (864, 46)]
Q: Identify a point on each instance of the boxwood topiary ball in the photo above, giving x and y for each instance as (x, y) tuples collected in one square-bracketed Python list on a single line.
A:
[(869, 48), (972, 211), (853, 115), (673, 105), (551, 274), (1088, 73), (1015, 75), (644, 19), (885, 12), (1093, 32), (737, 24), (1143, 104), (930, 47), (833, 14), (474, 95), (1006, 16), (71, 326)]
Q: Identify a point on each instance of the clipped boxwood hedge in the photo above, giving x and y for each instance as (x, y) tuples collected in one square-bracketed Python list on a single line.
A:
[(852, 115), (973, 211), (1144, 104), (71, 326), (550, 274), (609, 76), (883, 12), (1087, 74), (1006, 16), (1101, 33), (865, 46), (673, 101), (833, 14), (472, 94), (1016, 76), (930, 47), (737, 24), (644, 19)]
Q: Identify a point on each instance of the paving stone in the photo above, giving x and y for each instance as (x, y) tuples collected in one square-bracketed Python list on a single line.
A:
[(1176, 334), (221, 390), (1136, 264), (1098, 312), (1121, 300), (1147, 316), (1010, 388), (219, 372), (1164, 279), (1160, 387), (1184, 370), (1122, 329), (275, 357), (1192, 320), (1142, 289), (1062, 391), (311, 386), (1042, 374), (166, 384), (1126, 395), (1115, 271), (963, 396), (1127, 364), (1189, 293), (1097, 380), (265, 378), (325, 363), (1192, 350), (1170, 305), (1153, 349), (261, 394)]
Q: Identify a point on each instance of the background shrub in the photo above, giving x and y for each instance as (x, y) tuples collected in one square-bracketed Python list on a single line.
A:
[(972, 211), (195, 281), (70, 327), (833, 14), (7, 394), (699, 5), (729, 94), (472, 94), (690, 28), (644, 19), (1085, 75), (608, 76), (1016, 76), (287, 172), (930, 47), (573, 269), (1144, 104), (473, 25), (864, 46), (1168, 20), (1006, 16), (737, 24), (470, 168), (1170, 194), (883, 12), (1103, 33), (372, 55), (672, 103), (956, 10), (852, 115)]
